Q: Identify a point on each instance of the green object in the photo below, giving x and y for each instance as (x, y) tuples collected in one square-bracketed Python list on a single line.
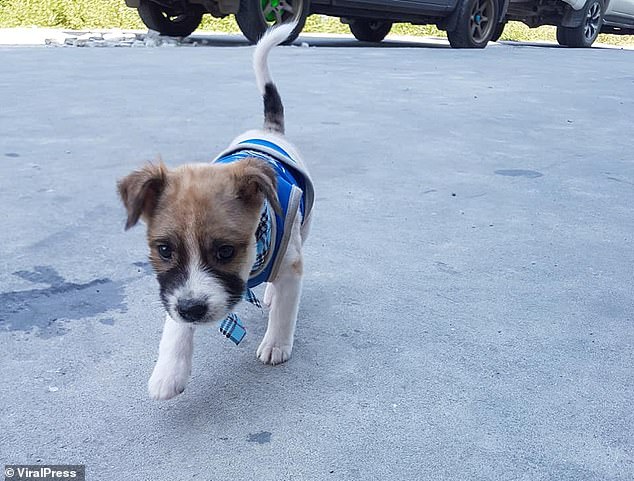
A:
[(275, 6)]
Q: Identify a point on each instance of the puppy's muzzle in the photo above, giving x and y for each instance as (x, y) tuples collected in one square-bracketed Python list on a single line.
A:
[(191, 310)]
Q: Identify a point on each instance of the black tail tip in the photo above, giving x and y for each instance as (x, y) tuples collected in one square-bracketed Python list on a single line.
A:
[(273, 108)]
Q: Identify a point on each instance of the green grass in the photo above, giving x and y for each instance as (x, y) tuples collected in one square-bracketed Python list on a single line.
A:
[(71, 14), (519, 31), (86, 14)]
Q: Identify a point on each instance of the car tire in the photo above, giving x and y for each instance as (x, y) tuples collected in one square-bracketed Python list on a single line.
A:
[(585, 34), (476, 23), (499, 30), (562, 37), (254, 17), (369, 30), (170, 22)]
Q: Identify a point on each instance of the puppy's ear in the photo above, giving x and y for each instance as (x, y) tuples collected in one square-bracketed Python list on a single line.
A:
[(140, 191), (255, 181)]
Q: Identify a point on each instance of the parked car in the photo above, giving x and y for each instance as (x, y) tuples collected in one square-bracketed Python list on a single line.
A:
[(469, 23), (578, 22)]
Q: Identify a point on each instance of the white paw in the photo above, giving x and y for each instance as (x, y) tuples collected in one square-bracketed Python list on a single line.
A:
[(273, 352), (166, 383)]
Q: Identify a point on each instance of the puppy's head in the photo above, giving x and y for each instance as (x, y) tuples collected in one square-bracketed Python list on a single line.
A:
[(201, 222)]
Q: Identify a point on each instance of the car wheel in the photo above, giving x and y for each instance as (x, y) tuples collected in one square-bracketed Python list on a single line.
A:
[(254, 17), (585, 34), (369, 30), (173, 22), (497, 33), (476, 23), (562, 37)]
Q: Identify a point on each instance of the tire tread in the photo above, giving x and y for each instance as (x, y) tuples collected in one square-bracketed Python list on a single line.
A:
[(460, 36)]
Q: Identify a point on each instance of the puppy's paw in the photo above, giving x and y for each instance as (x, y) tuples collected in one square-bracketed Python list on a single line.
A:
[(167, 383), (273, 352)]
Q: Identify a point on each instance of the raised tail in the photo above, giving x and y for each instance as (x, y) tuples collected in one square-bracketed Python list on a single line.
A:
[(273, 108)]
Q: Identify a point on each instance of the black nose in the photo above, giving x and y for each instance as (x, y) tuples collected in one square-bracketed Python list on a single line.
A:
[(191, 309)]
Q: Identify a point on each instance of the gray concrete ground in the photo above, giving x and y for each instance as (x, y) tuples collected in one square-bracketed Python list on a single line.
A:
[(468, 303)]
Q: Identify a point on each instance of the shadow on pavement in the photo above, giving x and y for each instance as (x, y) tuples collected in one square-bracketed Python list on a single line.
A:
[(237, 40), (317, 41)]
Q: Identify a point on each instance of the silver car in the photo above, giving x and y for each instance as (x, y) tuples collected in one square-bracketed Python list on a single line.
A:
[(578, 22), (618, 17)]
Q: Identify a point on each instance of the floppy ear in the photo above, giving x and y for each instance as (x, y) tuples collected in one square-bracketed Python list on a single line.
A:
[(140, 192), (256, 181)]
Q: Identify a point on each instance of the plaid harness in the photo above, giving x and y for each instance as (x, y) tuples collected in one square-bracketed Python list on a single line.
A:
[(273, 231), (231, 326)]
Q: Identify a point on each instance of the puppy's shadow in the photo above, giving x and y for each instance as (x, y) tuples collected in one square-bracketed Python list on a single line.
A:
[(229, 380), (223, 390)]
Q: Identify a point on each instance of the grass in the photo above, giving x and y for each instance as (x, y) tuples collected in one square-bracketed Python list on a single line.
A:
[(70, 14), (87, 14)]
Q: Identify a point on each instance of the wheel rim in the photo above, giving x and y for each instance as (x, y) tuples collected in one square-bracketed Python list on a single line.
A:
[(481, 20), (593, 17), (175, 18), (171, 15), (279, 11), (375, 25)]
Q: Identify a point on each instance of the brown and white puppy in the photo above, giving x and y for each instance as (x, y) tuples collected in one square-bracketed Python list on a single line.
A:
[(201, 222)]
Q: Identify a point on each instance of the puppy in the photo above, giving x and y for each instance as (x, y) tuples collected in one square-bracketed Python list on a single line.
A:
[(217, 229)]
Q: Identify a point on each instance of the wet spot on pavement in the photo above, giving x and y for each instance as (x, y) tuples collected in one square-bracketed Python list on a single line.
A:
[(42, 308), (530, 174), (144, 267), (262, 437)]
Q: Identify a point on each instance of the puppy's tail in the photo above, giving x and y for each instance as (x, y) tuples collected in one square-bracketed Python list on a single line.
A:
[(273, 108)]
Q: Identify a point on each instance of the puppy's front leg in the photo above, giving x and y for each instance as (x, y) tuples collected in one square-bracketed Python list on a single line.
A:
[(174, 363), (283, 295)]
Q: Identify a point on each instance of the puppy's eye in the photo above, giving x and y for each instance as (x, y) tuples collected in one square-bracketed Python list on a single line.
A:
[(165, 251), (224, 253)]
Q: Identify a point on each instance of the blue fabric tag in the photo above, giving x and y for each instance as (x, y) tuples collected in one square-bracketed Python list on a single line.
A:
[(233, 329), (231, 326)]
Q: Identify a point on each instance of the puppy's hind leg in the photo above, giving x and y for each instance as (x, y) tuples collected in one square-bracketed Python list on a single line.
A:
[(284, 294), (174, 363)]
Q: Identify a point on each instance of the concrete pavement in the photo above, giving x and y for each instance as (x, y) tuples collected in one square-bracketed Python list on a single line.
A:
[(468, 303)]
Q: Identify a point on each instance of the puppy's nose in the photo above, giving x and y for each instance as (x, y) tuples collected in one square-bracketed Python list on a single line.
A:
[(191, 309)]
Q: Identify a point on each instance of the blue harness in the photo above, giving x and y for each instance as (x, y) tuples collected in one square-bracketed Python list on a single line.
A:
[(273, 231)]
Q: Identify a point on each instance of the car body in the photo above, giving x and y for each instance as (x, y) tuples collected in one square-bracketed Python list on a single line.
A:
[(618, 17), (469, 23)]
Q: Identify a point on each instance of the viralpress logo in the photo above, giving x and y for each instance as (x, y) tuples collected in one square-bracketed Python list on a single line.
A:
[(57, 472)]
